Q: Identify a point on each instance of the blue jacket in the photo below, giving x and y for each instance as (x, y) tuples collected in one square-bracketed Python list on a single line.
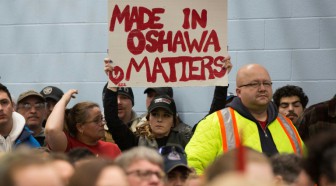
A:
[(26, 138)]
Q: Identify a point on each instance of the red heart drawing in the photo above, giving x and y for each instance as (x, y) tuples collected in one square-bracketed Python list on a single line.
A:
[(117, 75)]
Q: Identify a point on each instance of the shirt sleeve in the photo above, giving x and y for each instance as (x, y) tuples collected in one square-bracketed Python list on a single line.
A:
[(205, 145)]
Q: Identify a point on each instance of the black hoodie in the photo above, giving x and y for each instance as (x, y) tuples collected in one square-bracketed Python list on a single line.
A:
[(266, 140)]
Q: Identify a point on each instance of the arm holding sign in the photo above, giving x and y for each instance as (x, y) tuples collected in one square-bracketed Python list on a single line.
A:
[(122, 135), (220, 93)]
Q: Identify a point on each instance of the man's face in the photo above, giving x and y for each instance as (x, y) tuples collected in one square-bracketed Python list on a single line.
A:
[(291, 107), (178, 176), (33, 110), (124, 107), (6, 109), (144, 173), (255, 89), (150, 96)]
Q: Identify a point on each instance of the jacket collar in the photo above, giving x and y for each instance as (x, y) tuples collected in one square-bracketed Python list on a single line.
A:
[(18, 125), (236, 104)]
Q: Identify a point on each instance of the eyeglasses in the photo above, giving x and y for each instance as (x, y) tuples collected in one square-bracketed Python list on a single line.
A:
[(98, 121), (147, 174), (266, 84), (169, 149), (28, 106)]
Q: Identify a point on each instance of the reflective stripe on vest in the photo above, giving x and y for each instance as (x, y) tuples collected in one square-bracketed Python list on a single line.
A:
[(229, 129), (292, 134), (230, 134)]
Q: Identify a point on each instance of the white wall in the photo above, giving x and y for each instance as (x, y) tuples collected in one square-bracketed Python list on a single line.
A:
[(63, 42)]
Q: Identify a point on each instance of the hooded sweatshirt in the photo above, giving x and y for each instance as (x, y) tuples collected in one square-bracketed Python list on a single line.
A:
[(20, 134)]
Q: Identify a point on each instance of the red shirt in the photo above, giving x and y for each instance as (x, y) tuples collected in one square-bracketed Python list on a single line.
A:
[(263, 124), (102, 148)]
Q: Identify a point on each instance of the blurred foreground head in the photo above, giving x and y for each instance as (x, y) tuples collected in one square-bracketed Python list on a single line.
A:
[(256, 166), (29, 168)]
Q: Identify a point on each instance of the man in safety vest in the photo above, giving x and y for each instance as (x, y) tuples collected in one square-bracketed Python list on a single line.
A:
[(251, 119)]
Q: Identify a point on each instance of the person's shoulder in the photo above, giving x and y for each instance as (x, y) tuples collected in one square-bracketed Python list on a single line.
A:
[(322, 105), (210, 120), (26, 137)]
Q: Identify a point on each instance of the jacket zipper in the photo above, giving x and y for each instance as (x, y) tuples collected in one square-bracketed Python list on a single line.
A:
[(265, 133)]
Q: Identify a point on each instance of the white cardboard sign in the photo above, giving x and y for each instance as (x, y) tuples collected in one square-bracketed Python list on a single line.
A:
[(156, 43)]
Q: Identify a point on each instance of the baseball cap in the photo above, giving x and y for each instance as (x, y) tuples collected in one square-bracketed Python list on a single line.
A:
[(164, 102), (127, 91), (160, 91), (28, 94), (173, 156), (52, 92)]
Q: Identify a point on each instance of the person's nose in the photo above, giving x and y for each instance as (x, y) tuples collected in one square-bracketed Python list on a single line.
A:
[(33, 109), (154, 179), (262, 87), (290, 107), (103, 122), (159, 118), (179, 181)]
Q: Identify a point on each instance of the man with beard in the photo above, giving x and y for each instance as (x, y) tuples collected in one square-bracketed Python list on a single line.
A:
[(291, 101), (31, 105), (251, 119), (125, 108)]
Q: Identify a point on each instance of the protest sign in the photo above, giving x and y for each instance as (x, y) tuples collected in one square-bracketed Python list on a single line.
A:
[(155, 43)]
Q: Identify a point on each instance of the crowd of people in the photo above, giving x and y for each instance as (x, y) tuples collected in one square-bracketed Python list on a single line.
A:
[(254, 137)]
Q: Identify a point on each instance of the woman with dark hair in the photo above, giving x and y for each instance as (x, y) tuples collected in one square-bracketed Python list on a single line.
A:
[(85, 125), (155, 133)]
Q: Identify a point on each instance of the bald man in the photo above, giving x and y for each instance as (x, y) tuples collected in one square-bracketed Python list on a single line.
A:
[(251, 120)]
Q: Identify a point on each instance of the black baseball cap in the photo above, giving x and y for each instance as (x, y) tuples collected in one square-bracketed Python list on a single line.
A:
[(165, 102), (128, 92), (173, 157), (51, 92)]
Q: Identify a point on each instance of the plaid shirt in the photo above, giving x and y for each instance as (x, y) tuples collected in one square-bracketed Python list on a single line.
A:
[(317, 118)]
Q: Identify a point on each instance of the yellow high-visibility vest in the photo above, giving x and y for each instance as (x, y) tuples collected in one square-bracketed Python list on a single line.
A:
[(236, 130)]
